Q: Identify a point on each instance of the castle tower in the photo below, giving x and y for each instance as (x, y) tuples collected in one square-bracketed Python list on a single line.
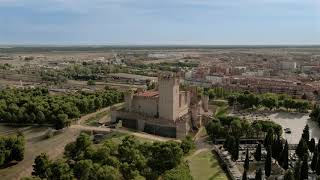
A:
[(169, 96), (128, 96)]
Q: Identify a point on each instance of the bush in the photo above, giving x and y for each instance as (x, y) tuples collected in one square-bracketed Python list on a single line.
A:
[(187, 144), (12, 148)]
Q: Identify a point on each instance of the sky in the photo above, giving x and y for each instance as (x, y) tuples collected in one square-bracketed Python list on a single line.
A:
[(160, 22)]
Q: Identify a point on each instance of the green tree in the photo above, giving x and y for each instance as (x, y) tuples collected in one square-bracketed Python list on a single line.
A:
[(257, 154), (83, 169), (76, 150), (318, 146), (231, 100), (302, 148), (61, 121), (288, 175), (59, 170), (108, 173), (318, 166), (187, 144), (132, 159), (17, 151), (246, 161), (97, 103), (284, 157), (41, 117), (305, 134), (40, 166), (297, 170), (244, 175), (269, 102), (165, 156), (304, 168), (181, 172), (83, 142), (277, 148), (235, 149), (314, 160), (312, 145), (268, 162), (258, 174), (269, 139)]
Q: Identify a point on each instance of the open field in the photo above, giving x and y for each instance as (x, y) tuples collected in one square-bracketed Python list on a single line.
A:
[(205, 166), (36, 143)]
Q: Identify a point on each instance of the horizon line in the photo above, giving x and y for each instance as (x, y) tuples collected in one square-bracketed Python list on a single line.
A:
[(152, 45)]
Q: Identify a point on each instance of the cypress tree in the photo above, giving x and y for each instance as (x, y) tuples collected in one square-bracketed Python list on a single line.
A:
[(246, 161), (296, 170), (284, 157), (258, 175), (288, 175), (277, 148), (269, 138), (226, 144), (268, 162), (302, 148), (235, 154), (318, 146), (244, 175), (257, 154), (305, 134), (304, 168), (314, 160), (318, 166), (312, 145)]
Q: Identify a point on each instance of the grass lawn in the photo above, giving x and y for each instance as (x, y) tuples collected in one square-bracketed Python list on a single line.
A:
[(205, 166), (117, 137), (93, 121)]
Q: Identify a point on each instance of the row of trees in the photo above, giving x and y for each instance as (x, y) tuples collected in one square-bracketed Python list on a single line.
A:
[(275, 149), (84, 71), (280, 153), (303, 151), (224, 126), (11, 148), (38, 106), (128, 160), (271, 101)]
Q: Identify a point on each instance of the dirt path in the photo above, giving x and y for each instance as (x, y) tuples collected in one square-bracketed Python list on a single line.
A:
[(94, 114), (80, 126), (106, 129), (35, 145), (54, 146)]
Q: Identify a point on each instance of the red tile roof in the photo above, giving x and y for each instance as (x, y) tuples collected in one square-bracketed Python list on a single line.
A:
[(148, 94)]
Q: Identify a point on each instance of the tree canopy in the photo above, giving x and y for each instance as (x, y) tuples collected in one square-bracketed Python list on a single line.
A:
[(29, 106), (128, 159)]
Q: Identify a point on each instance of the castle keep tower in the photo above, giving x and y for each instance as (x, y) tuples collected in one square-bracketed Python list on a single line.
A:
[(169, 96)]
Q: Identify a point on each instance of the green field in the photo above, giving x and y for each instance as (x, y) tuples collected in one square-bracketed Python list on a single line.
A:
[(205, 166), (94, 121)]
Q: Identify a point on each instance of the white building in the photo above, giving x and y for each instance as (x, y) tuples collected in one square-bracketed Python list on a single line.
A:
[(288, 65), (214, 79)]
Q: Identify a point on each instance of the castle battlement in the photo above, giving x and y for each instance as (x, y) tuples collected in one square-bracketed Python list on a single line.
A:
[(166, 111)]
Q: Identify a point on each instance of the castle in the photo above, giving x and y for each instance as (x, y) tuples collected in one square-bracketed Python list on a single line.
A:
[(166, 111)]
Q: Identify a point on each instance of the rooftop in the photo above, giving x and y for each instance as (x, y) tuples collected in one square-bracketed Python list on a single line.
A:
[(148, 94), (132, 76)]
